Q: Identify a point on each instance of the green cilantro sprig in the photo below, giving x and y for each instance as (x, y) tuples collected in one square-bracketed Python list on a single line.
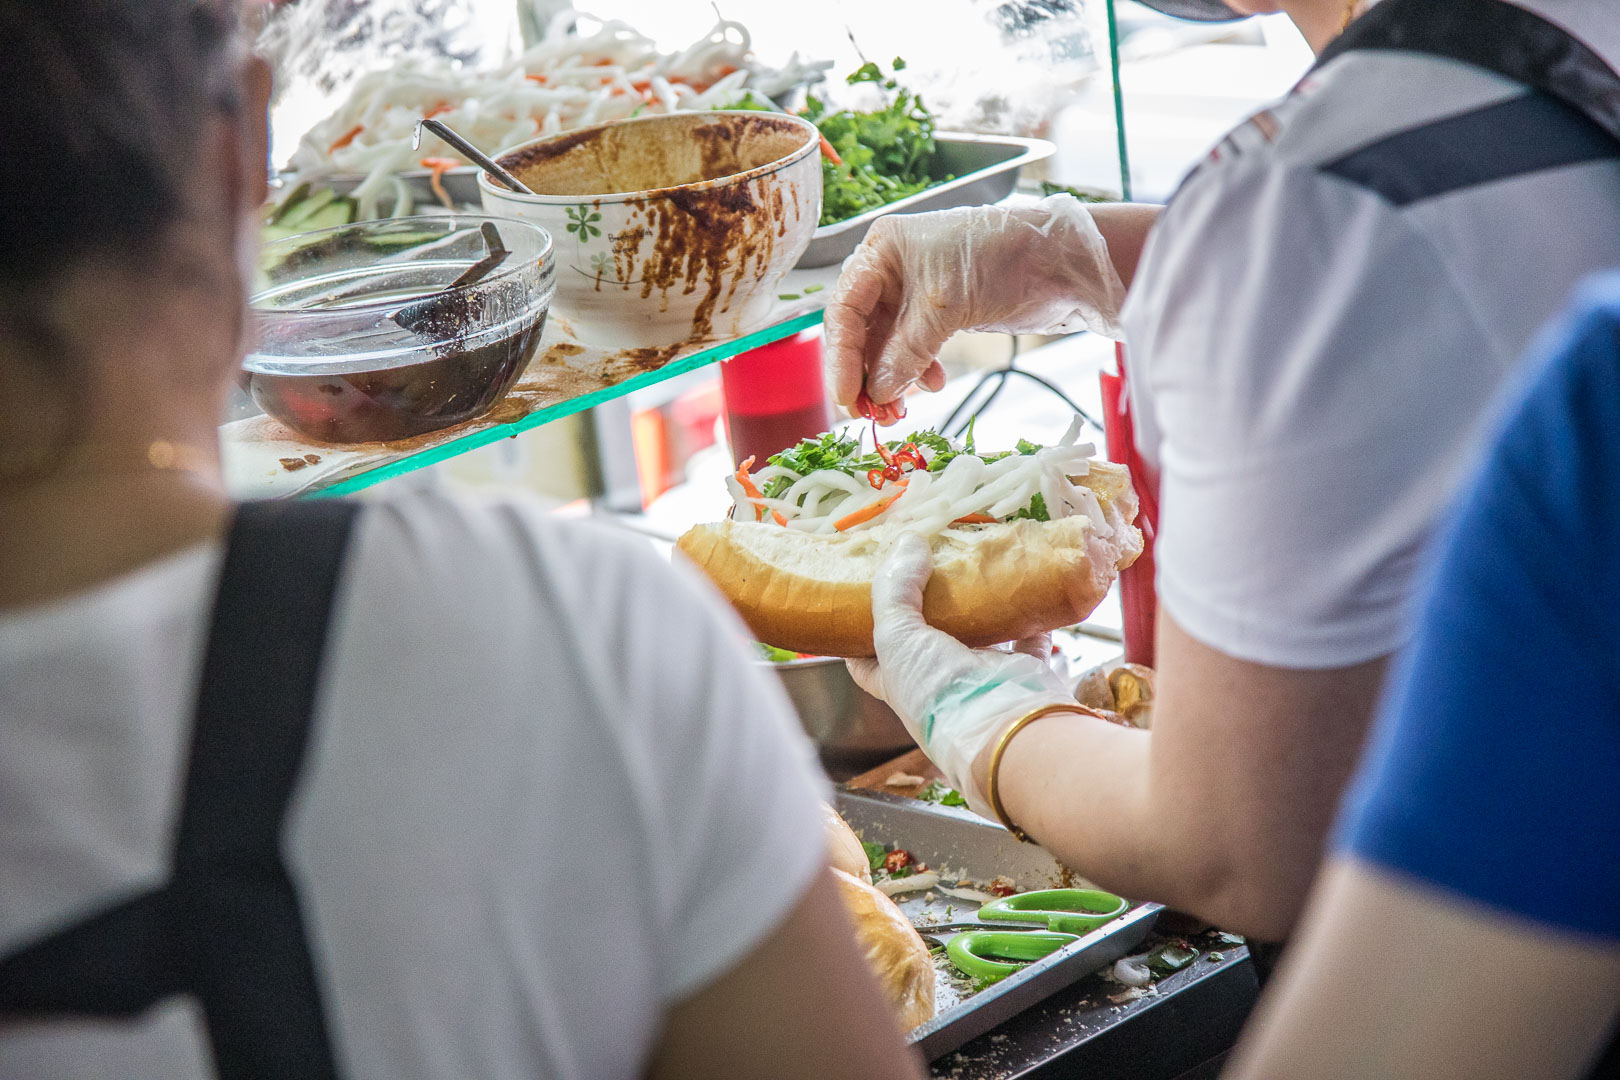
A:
[(885, 154)]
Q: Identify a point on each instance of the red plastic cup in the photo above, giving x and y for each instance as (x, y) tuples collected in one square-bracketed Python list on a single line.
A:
[(775, 396), (1136, 593)]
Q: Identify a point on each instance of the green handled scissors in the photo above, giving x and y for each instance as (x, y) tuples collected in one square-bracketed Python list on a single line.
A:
[(1064, 911), (1007, 933)]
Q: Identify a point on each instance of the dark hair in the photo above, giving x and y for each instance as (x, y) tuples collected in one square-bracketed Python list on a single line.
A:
[(104, 103)]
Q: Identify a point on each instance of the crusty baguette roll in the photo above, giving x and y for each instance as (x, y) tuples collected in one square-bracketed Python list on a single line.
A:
[(844, 849), (894, 950), (992, 583)]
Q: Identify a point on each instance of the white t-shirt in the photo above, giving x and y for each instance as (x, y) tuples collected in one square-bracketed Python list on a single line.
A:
[(1320, 321), (548, 795)]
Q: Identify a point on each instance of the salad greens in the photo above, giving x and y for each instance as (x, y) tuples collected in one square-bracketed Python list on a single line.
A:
[(874, 855), (885, 154), (831, 451)]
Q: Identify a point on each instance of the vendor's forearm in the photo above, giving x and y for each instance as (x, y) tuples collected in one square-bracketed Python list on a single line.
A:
[(1221, 811), (1083, 789), (1078, 786), (1125, 226)]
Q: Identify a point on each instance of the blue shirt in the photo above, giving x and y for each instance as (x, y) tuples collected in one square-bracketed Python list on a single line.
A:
[(1494, 770)]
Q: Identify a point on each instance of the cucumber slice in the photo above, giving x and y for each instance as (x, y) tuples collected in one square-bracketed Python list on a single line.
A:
[(335, 212), (281, 207), (296, 216)]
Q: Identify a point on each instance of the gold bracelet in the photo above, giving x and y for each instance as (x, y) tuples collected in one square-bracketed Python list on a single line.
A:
[(993, 791)]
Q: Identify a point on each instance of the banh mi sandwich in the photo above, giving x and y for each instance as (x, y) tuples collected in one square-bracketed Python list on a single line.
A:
[(1025, 541)]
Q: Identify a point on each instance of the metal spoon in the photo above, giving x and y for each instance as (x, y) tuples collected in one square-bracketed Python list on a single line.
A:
[(468, 150)]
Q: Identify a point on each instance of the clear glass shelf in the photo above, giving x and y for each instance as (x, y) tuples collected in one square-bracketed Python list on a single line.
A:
[(409, 462)]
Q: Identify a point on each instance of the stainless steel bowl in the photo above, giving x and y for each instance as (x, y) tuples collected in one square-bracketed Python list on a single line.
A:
[(839, 716)]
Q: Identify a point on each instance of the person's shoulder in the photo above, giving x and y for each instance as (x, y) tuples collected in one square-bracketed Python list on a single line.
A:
[(1365, 109), (1573, 393), (508, 536), (512, 562)]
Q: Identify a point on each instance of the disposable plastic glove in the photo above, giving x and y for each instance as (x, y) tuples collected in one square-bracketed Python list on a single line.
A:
[(919, 278), (954, 700)]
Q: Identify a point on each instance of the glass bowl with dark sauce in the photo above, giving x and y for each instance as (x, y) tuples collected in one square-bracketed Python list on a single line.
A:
[(362, 334)]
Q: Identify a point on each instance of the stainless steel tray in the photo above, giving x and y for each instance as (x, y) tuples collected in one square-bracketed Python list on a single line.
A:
[(951, 839), (985, 168), (460, 183)]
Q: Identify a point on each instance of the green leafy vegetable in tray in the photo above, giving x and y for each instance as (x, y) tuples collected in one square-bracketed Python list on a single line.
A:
[(884, 155)]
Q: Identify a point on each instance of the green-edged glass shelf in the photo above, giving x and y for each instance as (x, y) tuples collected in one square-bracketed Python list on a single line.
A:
[(678, 366), (258, 466)]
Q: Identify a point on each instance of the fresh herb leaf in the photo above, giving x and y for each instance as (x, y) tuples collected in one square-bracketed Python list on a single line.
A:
[(1026, 447), (1170, 957), (943, 794), (775, 655), (903, 872), (867, 72), (967, 436), (749, 102), (874, 855), (1035, 511), (1049, 188), (897, 64)]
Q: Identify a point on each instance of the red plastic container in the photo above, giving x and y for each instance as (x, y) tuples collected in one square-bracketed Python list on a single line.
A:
[(775, 396), (1136, 592)]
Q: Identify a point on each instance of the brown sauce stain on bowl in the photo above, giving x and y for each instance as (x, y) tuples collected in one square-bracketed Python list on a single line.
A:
[(687, 238)]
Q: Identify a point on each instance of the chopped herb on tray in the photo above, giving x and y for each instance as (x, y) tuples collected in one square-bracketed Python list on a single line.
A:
[(883, 155), (944, 795), (876, 157)]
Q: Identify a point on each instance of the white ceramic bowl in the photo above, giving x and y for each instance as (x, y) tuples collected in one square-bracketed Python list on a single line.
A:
[(671, 228)]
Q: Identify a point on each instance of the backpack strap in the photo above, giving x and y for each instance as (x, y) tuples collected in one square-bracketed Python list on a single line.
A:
[(227, 928)]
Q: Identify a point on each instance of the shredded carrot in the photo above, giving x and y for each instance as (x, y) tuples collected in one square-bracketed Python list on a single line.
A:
[(438, 110), (439, 166), (975, 519), (346, 138), (753, 492), (829, 153), (539, 78), (870, 510)]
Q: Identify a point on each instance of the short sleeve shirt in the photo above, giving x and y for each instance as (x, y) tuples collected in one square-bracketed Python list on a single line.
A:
[(1321, 318), (1494, 770), (549, 794)]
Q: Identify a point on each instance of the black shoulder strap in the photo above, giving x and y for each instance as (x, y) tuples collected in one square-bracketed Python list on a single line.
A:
[(227, 927), (1497, 36)]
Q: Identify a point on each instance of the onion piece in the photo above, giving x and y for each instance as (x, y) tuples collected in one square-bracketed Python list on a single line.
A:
[(915, 883), (1133, 971), (978, 896)]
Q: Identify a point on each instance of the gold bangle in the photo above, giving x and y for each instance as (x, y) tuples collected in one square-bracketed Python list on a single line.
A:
[(993, 791)]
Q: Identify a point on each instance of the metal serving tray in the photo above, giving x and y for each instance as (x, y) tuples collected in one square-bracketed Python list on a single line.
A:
[(985, 168), (955, 840)]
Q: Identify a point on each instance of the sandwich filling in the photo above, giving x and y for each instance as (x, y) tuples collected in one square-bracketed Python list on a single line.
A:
[(926, 484)]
